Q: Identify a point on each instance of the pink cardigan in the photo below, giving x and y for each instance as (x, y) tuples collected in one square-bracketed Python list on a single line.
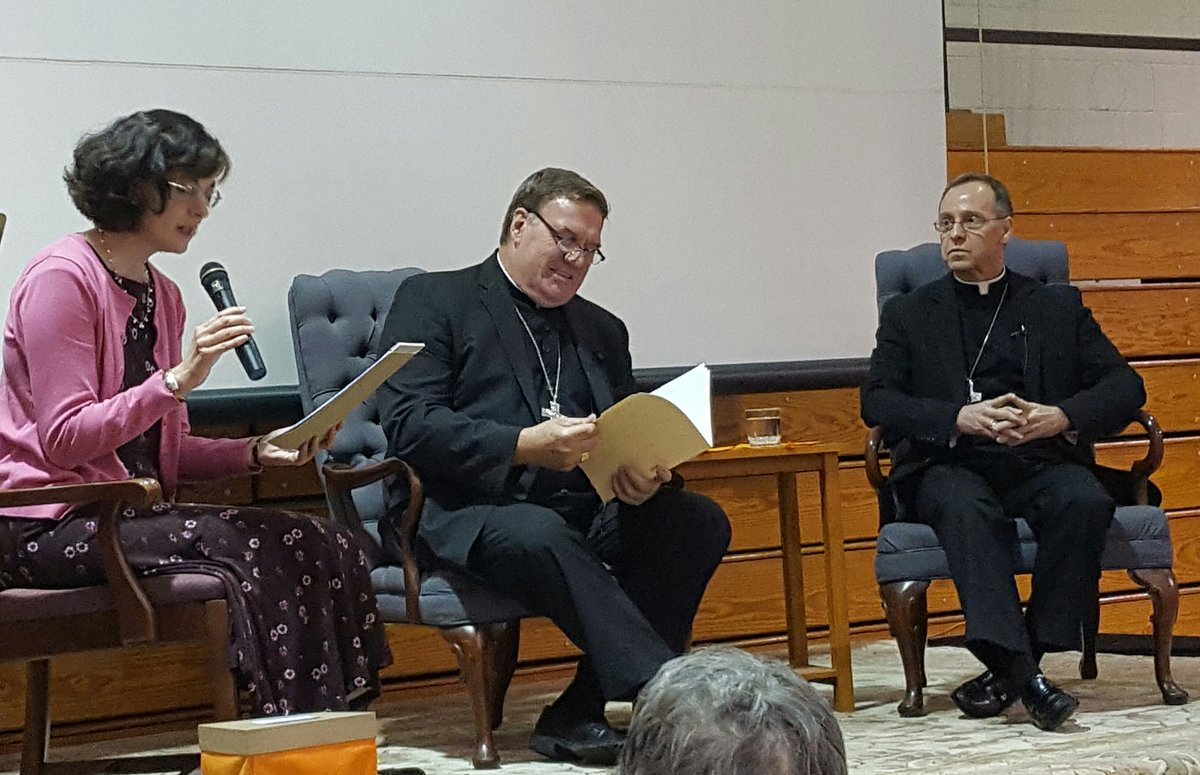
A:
[(62, 412)]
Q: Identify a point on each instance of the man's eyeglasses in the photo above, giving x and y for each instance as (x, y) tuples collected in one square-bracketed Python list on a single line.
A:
[(571, 249), (972, 223), (212, 200)]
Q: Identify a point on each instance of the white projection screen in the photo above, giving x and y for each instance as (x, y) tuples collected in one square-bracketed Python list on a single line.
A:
[(757, 155)]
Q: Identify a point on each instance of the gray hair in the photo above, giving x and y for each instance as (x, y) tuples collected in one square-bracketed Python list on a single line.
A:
[(722, 711)]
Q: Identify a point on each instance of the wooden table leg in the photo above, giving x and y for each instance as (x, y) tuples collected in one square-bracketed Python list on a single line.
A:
[(835, 583), (793, 569)]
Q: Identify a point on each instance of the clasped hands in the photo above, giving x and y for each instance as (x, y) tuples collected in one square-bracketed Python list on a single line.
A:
[(562, 443), (1011, 420)]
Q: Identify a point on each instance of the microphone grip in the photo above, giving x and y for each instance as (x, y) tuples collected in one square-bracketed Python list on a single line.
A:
[(251, 360), (221, 294)]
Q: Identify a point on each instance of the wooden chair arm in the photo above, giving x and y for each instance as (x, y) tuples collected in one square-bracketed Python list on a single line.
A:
[(135, 615), (874, 447), (138, 493), (340, 479), (1142, 469)]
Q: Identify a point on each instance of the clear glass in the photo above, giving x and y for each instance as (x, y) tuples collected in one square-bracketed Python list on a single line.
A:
[(764, 426), (212, 201), (570, 250), (972, 223)]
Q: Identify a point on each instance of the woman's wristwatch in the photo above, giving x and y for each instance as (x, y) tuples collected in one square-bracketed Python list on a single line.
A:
[(172, 383)]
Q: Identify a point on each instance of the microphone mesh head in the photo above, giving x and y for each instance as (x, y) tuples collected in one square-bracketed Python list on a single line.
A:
[(210, 268)]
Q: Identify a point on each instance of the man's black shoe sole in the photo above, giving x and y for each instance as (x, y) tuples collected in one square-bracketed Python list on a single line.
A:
[(559, 750)]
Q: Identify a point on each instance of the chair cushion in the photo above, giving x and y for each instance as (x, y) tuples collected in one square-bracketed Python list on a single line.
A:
[(1137, 538), (448, 599), (20, 605)]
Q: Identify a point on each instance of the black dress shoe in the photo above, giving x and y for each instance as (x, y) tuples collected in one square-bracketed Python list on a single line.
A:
[(566, 739), (984, 696), (1048, 705)]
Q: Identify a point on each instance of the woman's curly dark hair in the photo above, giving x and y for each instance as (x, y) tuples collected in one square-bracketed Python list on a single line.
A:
[(116, 169)]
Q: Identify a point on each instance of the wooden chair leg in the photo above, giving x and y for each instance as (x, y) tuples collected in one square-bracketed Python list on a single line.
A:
[(1164, 594), (220, 673), (35, 742), (473, 649), (908, 618), (506, 642), (1089, 625)]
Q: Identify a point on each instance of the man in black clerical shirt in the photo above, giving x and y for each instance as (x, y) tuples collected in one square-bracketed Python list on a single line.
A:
[(497, 412), (991, 386)]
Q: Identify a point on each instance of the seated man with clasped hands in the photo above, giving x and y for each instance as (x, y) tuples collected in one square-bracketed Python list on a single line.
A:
[(990, 385)]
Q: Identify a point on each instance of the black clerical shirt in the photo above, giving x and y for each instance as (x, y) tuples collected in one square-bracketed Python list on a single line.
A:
[(1001, 368), (568, 492)]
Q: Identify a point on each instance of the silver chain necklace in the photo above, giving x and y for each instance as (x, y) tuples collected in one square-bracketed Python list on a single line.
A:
[(974, 396), (555, 409)]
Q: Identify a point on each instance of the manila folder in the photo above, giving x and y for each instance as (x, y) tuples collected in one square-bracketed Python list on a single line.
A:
[(644, 430), (345, 400)]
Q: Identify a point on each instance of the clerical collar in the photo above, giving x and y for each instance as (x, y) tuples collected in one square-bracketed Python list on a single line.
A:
[(517, 292), (986, 285)]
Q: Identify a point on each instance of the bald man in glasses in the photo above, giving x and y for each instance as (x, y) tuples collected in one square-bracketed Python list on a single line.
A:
[(991, 386)]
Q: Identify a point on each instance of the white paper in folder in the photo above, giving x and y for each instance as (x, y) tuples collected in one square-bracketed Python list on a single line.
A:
[(644, 430), (343, 403)]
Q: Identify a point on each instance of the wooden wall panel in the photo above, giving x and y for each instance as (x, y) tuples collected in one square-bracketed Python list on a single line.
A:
[(966, 129), (745, 597), (1147, 321), (280, 483), (115, 683), (1111, 246), (1173, 393), (830, 416), (752, 507), (230, 492), (1080, 180), (750, 503), (860, 509), (1176, 477), (1185, 540), (1130, 615)]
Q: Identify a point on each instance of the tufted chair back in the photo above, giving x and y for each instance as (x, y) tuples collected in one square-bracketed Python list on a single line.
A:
[(899, 271), (337, 319)]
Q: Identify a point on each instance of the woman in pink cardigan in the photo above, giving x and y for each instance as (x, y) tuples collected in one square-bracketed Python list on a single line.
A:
[(95, 376)]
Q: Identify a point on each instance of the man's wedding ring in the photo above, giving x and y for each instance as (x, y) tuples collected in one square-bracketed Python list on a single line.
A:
[(583, 458), (993, 425)]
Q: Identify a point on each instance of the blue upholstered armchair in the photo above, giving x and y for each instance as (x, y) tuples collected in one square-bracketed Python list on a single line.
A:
[(337, 319), (909, 556)]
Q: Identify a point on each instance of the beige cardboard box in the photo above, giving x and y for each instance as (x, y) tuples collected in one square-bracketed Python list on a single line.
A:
[(316, 743)]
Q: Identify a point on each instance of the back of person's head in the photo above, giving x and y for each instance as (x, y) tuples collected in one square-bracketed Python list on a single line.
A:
[(722, 711), (121, 171), (551, 183)]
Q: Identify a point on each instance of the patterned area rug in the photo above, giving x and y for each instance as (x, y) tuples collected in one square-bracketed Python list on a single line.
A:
[(1121, 727)]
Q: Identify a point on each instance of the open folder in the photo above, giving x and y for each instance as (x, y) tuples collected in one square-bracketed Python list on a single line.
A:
[(337, 408), (644, 430)]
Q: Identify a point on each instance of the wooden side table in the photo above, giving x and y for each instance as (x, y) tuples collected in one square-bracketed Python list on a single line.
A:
[(784, 461)]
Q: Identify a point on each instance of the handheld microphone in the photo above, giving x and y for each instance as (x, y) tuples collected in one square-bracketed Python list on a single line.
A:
[(215, 281)]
